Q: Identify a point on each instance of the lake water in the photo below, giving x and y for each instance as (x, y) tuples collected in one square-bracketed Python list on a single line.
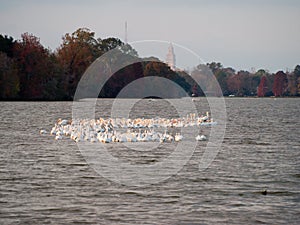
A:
[(47, 181)]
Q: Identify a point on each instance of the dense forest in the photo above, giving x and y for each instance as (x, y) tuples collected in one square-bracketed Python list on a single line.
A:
[(29, 71)]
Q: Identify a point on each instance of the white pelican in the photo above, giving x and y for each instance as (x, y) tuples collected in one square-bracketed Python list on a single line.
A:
[(201, 138), (58, 137), (43, 132), (178, 137)]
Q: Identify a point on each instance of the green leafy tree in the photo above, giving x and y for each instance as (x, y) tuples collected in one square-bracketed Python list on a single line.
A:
[(7, 45), (9, 80), (297, 77), (160, 69), (292, 84), (203, 76), (222, 76), (110, 43), (215, 66)]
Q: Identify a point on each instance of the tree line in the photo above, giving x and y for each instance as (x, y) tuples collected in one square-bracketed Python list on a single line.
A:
[(260, 83), (29, 71)]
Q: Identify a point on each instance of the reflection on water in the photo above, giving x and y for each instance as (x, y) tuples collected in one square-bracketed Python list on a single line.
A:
[(43, 180)]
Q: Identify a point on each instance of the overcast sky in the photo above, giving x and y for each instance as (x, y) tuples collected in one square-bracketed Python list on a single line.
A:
[(240, 34)]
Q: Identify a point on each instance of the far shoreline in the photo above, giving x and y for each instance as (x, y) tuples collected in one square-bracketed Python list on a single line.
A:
[(68, 100)]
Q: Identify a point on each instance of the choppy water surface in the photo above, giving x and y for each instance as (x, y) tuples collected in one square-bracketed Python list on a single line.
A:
[(47, 181)]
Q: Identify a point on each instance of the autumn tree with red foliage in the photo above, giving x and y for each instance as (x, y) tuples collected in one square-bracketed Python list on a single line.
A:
[(79, 50), (75, 54), (262, 87), (280, 84), (35, 67), (235, 83)]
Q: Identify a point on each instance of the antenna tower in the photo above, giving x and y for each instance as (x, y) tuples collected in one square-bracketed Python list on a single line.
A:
[(125, 32)]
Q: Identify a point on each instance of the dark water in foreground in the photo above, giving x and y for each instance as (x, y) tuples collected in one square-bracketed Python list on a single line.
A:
[(47, 181)]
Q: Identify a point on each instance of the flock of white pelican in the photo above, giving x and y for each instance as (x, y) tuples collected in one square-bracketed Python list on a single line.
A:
[(137, 130)]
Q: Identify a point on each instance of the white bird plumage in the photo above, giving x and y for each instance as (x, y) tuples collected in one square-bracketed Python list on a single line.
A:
[(109, 130), (201, 137)]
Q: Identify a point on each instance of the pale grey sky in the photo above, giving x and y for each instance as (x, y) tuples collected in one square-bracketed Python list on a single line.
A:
[(240, 34)]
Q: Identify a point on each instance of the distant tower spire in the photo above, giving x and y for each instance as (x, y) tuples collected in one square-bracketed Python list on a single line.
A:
[(125, 32), (171, 61)]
